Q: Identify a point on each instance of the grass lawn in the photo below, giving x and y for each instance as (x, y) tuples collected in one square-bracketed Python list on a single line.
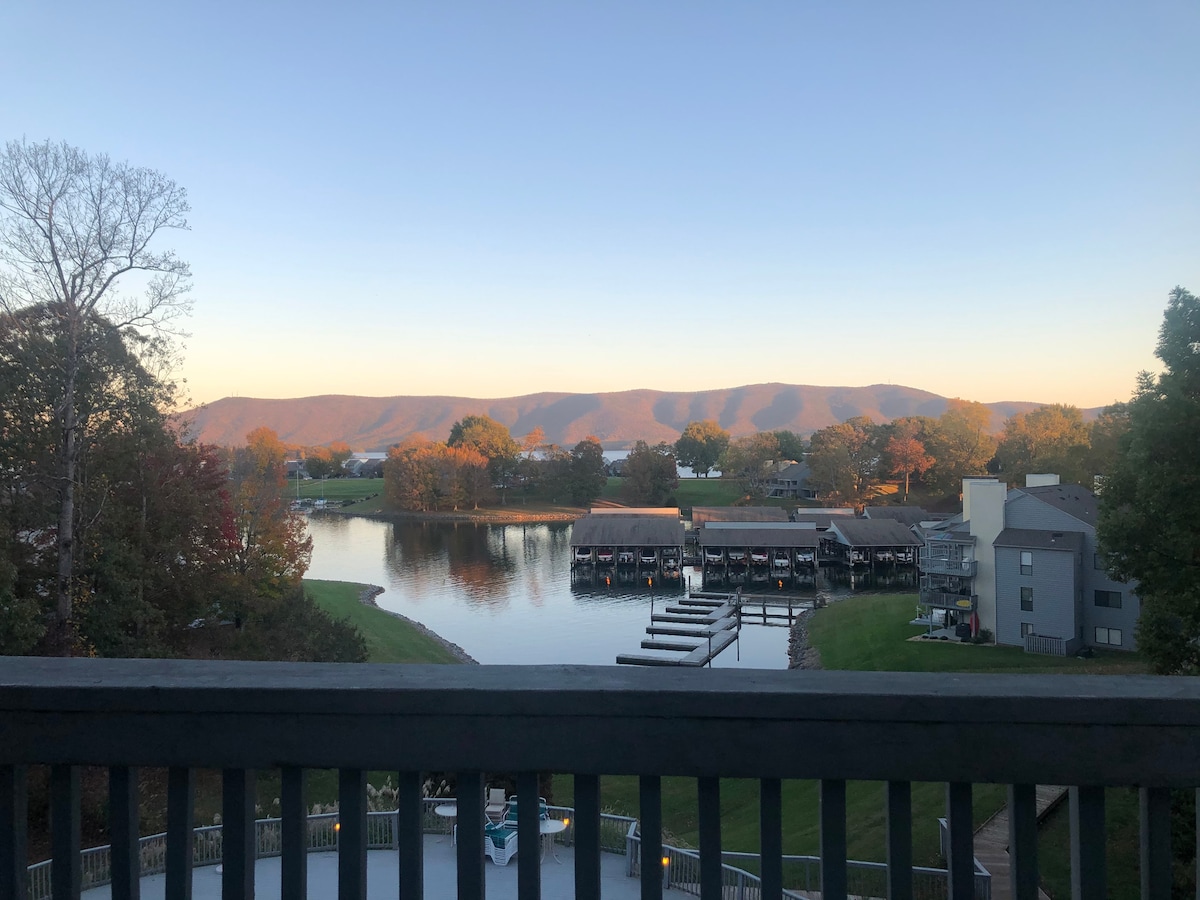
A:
[(334, 488), (695, 492), (1121, 821), (869, 633), (801, 832), (389, 639)]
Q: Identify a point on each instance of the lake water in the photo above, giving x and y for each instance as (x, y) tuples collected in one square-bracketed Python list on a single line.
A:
[(503, 592)]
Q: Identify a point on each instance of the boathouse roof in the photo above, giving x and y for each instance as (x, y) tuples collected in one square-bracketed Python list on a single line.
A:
[(702, 514), (907, 516), (873, 533), (766, 534), (822, 518), (627, 531)]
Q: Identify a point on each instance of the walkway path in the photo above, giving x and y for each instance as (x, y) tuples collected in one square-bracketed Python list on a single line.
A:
[(991, 841)]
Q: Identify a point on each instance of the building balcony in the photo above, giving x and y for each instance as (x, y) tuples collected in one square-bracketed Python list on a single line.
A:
[(939, 565), (1086, 731), (943, 600)]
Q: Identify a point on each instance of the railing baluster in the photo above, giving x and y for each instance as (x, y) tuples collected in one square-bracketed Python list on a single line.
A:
[(650, 806), (709, 792), (180, 834), (352, 835), (1156, 843), (1022, 841), (960, 865), (14, 817), (1089, 875), (470, 836), (237, 834), (899, 840), (587, 837), (529, 876), (66, 872), (293, 833), (770, 830), (833, 839), (410, 837), (125, 855)]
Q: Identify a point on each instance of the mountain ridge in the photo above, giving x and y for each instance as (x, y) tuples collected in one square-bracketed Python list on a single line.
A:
[(617, 418)]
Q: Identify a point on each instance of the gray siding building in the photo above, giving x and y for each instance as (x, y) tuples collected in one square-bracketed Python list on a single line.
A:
[(1046, 581)]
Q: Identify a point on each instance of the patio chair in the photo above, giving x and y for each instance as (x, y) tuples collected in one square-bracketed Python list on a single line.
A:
[(495, 804), (499, 843), (510, 814)]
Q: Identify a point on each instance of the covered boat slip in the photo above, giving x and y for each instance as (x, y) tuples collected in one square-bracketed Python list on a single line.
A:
[(871, 542), (644, 541), (779, 546)]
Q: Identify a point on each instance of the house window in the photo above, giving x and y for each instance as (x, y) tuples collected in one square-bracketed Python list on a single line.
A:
[(1026, 628), (1026, 599), (1110, 636), (1097, 562), (1111, 599), (1026, 562)]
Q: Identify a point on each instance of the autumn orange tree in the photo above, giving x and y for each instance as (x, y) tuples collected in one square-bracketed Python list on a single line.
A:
[(272, 549), (905, 452)]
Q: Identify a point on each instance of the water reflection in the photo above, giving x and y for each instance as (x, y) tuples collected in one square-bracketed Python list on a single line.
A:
[(506, 593)]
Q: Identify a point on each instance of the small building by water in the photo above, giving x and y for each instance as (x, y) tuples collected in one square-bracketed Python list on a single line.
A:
[(647, 541), (870, 542)]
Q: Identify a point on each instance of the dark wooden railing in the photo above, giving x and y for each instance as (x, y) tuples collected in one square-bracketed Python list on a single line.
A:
[(1089, 732)]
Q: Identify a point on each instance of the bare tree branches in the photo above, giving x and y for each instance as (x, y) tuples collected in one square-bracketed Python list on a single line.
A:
[(74, 229)]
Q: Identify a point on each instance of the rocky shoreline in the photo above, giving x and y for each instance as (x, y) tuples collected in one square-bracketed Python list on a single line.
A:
[(802, 655), (371, 591)]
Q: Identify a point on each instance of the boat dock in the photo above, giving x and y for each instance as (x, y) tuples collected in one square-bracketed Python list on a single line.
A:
[(694, 629)]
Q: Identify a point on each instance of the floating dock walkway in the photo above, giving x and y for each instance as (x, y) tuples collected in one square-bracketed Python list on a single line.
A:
[(701, 625), (696, 629)]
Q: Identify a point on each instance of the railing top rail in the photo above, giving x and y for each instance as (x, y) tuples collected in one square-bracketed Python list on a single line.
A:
[(602, 720)]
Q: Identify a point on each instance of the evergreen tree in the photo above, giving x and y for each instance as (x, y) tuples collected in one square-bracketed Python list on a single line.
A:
[(1148, 526)]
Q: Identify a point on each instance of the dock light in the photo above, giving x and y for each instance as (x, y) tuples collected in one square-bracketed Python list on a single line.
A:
[(650, 581), (780, 583)]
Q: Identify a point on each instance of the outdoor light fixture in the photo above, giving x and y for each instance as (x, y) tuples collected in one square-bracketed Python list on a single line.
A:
[(666, 861), (566, 821), (337, 826)]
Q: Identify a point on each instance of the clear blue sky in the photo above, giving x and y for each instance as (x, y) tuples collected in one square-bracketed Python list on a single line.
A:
[(488, 199)]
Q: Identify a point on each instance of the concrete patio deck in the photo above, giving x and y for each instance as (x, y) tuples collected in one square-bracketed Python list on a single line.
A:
[(558, 879)]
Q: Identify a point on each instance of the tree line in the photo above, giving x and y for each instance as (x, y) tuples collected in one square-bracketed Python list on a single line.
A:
[(481, 462), (118, 537), (850, 461)]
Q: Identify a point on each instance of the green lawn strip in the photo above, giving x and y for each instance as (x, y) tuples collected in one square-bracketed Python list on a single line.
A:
[(1121, 812), (865, 814), (707, 492), (333, 488), (869, 632), (389, 639), (690, 492)]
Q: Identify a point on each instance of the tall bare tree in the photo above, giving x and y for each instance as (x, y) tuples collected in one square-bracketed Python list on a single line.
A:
[(76, 231)]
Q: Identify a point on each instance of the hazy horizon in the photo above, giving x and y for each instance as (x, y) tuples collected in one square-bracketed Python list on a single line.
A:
[(495, 201)]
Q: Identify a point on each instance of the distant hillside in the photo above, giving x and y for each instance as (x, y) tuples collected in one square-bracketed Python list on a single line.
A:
[(618, 419)]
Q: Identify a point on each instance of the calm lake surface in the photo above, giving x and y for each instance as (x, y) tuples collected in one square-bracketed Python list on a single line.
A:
[(504, 593)]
